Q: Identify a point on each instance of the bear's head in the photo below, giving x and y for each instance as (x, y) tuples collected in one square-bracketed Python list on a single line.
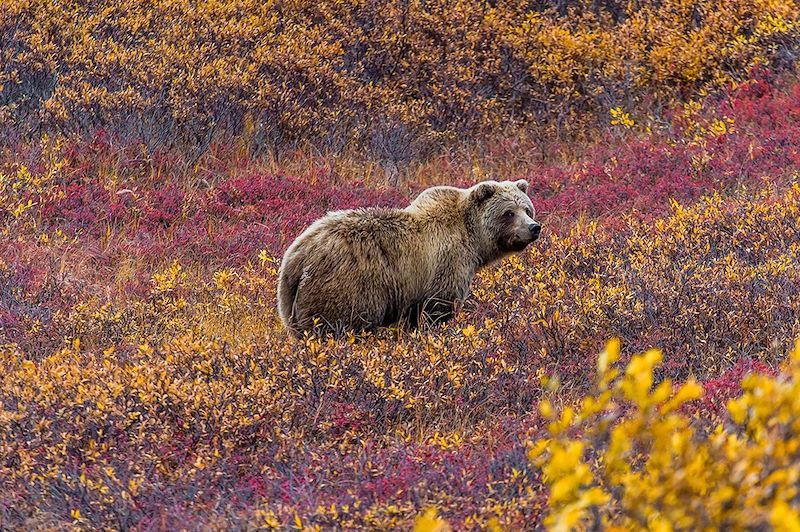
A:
[(501, 218)]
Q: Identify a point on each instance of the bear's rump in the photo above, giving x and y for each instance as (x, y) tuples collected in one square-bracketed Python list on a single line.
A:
[(347, 284)]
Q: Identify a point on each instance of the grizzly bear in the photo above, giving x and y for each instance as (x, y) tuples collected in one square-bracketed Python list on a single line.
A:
[(356, 270)]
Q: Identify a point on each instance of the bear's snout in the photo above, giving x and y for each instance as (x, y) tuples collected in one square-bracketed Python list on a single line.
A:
[(535, 228)]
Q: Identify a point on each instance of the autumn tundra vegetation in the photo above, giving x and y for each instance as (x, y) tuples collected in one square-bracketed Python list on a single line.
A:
[(636, 367)]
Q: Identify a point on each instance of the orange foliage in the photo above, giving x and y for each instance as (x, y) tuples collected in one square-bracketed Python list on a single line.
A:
[(394, 78)]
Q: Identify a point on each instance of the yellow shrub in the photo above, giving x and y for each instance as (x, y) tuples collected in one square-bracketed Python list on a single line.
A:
[(629, 457)]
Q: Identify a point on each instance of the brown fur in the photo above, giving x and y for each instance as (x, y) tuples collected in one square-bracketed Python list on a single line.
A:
[(360, 269)]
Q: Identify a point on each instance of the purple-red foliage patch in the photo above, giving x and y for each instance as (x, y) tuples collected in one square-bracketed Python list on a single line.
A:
[(641, 175)]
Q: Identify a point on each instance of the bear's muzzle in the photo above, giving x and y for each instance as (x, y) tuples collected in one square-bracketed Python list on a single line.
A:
[(535, 229)]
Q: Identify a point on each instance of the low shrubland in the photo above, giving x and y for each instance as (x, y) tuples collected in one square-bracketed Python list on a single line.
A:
[(147, 381), (397, 80)]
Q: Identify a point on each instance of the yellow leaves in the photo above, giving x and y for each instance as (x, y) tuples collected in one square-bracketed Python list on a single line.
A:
[(795, 354), (575, 512), (563, 423), (493, 525), (690, 391), (546, 409), (269, 262), (651, 464), (263, 257), (565, 487), (784, 518), (536, 449), (222, 279), (18, 188), (639, 377), (620, 117), (564, 459), (145, 350), (430, 522), (620, 444), (20, 208), (566, 520), (608, 356), (719, 127), (593, 405), (772, 25), (445, 442), (168, 280), (133, 486), (267, 519)]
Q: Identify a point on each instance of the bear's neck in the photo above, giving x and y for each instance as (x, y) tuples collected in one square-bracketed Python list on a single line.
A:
[(487, 257), (483, 254)]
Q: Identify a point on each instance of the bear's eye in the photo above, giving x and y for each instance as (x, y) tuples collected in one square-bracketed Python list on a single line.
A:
[(529, 213), (508, 214)]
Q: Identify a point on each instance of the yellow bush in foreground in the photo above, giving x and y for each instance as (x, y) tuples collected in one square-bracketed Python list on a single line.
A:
[(630, 456)]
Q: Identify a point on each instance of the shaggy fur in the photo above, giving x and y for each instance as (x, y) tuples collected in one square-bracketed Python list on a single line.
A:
[(360, 269)]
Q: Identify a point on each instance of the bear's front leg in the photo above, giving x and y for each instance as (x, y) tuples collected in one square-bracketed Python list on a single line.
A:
[(427, 313), (436, 310)]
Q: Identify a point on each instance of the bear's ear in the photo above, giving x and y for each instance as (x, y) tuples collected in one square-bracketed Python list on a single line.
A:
[(522, 185), (482, 192)]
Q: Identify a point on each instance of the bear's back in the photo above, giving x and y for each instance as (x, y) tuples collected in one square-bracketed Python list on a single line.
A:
[(369, 223), (438, 202)]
